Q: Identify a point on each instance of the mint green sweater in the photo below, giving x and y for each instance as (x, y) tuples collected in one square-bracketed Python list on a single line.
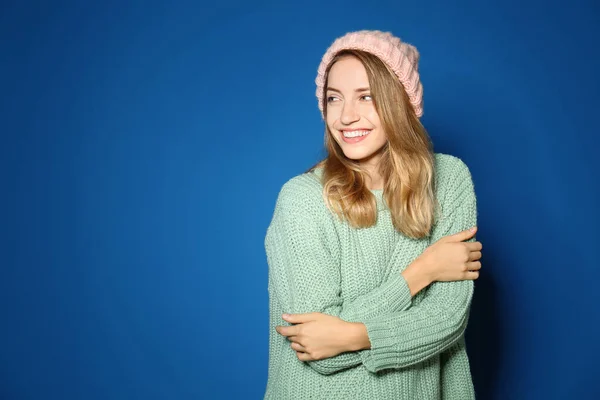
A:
[(318, 263)]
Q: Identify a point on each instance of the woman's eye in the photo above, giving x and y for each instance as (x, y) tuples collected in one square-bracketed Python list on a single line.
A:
[(330, 99), (367, 97)]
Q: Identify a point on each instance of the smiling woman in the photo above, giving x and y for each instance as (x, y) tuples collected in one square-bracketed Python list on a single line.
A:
[(370, 248)]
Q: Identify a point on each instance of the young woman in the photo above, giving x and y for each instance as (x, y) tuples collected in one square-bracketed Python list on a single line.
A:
[(370, 250)]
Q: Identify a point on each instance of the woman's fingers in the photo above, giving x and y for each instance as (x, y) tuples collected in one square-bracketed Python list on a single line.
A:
[(460, 236), (474, 246), (297, 347), (294, 338), (472, 270), (472, 275), (303, 356), (473, 266), (474, 255)]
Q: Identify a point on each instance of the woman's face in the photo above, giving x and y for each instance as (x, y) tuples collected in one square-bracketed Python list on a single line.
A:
[(351, 115)]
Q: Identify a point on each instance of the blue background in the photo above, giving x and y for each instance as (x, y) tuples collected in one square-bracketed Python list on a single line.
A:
[(144, 144)]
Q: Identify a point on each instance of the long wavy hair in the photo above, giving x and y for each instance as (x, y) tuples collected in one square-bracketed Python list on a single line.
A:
[(407, 160)]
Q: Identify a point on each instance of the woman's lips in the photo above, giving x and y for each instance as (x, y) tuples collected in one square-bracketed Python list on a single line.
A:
[(356, 139)]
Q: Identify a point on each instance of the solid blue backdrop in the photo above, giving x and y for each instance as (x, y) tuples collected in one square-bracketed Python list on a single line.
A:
[(144, 145)]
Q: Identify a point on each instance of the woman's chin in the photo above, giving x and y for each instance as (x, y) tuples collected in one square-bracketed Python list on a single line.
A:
[(357, 155)]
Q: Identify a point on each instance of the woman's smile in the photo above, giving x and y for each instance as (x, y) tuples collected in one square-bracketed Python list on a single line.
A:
[(355, 136)]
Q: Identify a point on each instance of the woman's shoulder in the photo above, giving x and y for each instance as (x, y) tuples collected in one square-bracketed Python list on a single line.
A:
[(445, 163), (451, 175), (448, 167), (303, 192)]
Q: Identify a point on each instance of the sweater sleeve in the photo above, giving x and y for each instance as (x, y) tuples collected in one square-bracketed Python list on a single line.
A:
[(304, 270), (400, 339)]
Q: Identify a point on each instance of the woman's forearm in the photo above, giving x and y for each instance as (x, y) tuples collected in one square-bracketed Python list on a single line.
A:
[(417, 276)]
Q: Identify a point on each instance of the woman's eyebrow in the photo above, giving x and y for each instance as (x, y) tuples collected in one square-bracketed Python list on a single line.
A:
[(365, 89)]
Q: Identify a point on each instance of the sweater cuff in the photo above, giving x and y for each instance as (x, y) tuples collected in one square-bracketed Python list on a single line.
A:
[(380, 336), (381, 355)]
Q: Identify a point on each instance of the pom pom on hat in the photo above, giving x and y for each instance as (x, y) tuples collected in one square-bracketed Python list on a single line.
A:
[(400, 57)]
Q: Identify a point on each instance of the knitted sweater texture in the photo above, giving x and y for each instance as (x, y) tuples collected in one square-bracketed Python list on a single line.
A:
[(318, 263)]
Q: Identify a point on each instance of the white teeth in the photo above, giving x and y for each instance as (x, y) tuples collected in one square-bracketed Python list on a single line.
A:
[(355, 133)]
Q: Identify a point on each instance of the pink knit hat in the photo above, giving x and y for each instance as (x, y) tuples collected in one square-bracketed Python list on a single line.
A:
[(400, 57)]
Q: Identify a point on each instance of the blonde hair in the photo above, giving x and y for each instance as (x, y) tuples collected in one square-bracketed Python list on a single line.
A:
[(407, 160)]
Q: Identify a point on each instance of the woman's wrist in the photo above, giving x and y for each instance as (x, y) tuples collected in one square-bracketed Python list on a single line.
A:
[(358, 338), (417, 276)]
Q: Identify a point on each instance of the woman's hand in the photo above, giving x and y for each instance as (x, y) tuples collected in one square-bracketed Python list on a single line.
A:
[(448, 259), (317, 336), (452, 259)]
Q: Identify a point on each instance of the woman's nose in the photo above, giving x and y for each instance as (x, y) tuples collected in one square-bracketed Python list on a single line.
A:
[(349, 113)]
